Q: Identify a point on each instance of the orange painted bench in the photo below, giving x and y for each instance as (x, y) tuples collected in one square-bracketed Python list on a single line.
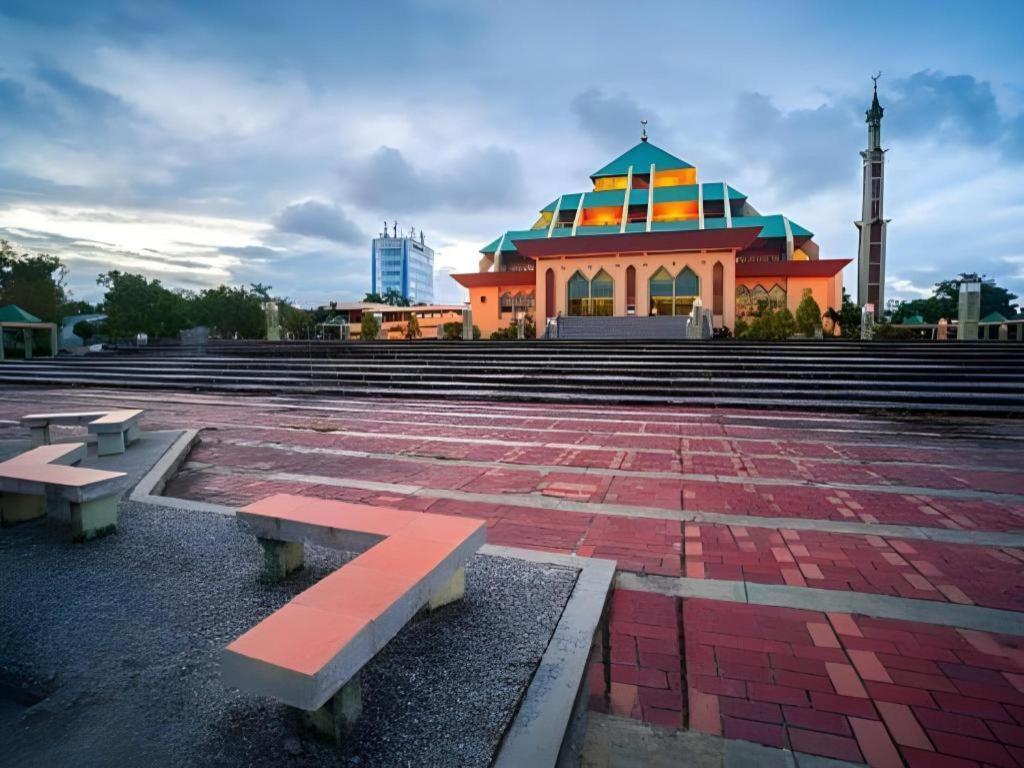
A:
[(42, 481), (114, 430), (308, 654)]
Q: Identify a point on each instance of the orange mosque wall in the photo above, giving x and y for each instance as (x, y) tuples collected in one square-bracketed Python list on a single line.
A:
[(827, 291), (646, 265)]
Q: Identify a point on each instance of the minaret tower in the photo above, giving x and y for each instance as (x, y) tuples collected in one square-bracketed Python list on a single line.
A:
[(872, 225)]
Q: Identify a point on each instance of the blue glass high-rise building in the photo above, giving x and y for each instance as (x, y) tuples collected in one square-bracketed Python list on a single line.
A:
[(404, 264)]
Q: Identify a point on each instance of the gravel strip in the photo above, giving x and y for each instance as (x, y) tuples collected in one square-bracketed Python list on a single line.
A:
[(122, 636)]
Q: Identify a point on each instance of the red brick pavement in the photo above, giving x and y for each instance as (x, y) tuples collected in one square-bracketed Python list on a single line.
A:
[(925, 570), (854, 688)]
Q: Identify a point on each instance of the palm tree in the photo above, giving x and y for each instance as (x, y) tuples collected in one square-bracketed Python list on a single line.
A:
[(395, 298)]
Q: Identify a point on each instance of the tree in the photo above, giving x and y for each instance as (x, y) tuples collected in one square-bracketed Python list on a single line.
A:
[(373, 298), (412, 328), (783, 324), (230, 311), (808, 314), (294, 320), (136, 305), (369, 327), (395, 298), (945, 302), (849, 318), (84, 330), (34, 283)]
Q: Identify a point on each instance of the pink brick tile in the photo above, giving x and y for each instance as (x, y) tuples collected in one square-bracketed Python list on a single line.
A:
[(704, 713), (844, 624), (845, 680), (822, 635), (868, 666), (793, 577), (874, 741), (811, 571), (903, 726), (954, 594)]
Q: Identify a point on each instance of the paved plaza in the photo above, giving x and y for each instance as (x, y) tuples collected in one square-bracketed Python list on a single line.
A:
[(846, 587)]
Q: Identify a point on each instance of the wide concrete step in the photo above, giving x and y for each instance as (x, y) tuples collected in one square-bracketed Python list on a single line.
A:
[(631, 380)]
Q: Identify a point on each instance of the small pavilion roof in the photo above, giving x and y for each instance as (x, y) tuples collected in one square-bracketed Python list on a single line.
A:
[(12, 313), (641, 157), (993, 317)]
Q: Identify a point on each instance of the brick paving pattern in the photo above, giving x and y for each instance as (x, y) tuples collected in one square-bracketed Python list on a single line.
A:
[(624, 483)]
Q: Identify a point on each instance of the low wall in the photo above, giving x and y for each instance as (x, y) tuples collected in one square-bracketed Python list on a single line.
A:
[(625, 328)]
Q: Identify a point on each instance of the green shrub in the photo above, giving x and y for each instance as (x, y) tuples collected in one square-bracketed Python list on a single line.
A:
[(888, 332), (808, 314), (84, 330), (370, 327), (412, 328)]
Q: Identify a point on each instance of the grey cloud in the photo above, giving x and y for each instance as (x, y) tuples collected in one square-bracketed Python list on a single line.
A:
[(316, 219), (613, 119), (930, 102), (386, 182), (803, 147)]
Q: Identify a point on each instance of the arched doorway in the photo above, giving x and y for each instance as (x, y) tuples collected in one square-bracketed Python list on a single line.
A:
[(578, 291), (660, 291), (602, 289), (687, 286)]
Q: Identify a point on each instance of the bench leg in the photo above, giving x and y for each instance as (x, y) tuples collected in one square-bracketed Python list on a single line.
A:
[(132, 434), (40, 436), (92, 519), (454, 590), (280, 558), (18, 507), (109, 443), (338, 716)]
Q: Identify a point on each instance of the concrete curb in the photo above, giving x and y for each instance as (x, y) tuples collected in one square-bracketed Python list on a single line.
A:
[(147, 490), (619, 741), (549, 724), (878, 606)]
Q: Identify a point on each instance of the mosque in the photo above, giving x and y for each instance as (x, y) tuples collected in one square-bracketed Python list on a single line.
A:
[(648, 238)]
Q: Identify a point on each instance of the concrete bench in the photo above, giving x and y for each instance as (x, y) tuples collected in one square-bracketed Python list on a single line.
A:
[(309, 653), (43, 481), (114, 430)]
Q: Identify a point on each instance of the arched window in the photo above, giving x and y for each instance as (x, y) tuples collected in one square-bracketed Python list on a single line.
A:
[(630, 290), (718, 289), (660, 286), (758, 298), (601, 294), (777, 297), (579, 294), (687, 289), (743, 302), (549, 293), (504, 303)]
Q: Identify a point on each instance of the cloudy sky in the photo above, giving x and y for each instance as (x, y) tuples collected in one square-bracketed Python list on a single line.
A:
[(209, 142)]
